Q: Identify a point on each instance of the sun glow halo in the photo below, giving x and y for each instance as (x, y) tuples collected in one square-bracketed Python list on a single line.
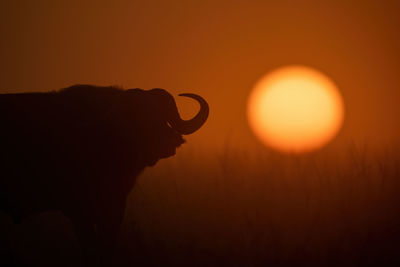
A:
[(295, 109)]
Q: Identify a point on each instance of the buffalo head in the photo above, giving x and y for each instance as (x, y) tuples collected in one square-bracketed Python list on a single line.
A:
[(152, 119)]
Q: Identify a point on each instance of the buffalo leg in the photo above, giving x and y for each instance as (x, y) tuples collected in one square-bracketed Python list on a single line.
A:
[(108, 227), (85, 231)]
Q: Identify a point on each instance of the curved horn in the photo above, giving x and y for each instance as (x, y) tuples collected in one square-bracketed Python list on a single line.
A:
[(190, 126)]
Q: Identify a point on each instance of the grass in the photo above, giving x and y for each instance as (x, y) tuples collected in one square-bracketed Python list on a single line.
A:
[(236, 208), (244, 208)]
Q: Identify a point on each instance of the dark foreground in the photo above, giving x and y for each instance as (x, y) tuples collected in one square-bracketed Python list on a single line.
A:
[(231, 209)]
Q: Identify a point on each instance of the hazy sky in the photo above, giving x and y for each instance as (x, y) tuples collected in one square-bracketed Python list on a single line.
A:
[(215, 48)]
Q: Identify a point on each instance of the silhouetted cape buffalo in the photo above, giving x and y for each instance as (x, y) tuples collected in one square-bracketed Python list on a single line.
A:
[(79, 150)]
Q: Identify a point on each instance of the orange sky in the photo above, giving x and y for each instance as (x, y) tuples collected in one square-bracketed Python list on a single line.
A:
[(215, 48)]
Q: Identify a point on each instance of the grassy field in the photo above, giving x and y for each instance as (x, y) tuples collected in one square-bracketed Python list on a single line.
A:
[(240, 208), (236, 208)]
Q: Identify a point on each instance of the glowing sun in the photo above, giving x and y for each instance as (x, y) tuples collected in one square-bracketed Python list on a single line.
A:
[(295, 109)]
